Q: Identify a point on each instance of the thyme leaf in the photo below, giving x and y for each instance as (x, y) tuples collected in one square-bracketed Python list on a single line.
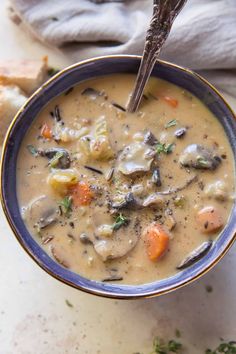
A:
[(166, 149), (66, 205), (120, 221), (32, 150), (227, 348), (177, 333), (56, 159), (179, 201), (202, 162), (160, 347), (171, 123)]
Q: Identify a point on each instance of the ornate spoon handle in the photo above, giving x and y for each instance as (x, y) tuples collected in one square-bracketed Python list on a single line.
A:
[(164, 14)]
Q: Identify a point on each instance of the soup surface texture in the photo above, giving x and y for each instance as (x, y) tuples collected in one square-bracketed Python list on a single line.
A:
[(125, 197)]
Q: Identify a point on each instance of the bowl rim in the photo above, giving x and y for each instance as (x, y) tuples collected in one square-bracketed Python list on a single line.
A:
[(105, 293)]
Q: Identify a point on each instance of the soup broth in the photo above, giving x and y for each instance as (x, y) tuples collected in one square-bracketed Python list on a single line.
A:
[(123, 197)]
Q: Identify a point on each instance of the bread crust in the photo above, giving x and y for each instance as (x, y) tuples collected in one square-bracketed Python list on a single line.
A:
[(27, 74)]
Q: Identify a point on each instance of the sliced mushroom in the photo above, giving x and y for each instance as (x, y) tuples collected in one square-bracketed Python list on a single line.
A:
[(58, 257), (105, 230), (196, 255), (138, 189), (59, 158), (116, 247), (179, 133), (199, 157), (91, 93), (48, 218), (150, 139), (136, 157), (154, 199), (42, 212), (129, 202), (85, 239), (119, 243), (132, 202)]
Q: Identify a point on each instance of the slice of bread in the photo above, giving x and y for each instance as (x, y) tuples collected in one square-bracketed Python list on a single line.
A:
[(11, 99), (27, 74)]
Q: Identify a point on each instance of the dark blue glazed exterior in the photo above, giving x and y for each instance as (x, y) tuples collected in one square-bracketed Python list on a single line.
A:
[(60, 83)]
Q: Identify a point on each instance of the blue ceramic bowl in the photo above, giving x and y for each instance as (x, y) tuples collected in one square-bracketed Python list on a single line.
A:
[(60, 83)]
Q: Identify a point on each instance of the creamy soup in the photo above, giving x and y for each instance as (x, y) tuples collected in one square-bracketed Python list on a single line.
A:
[(120, 197)]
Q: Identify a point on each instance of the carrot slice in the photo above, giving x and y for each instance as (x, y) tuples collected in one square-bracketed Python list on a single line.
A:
[(81, 194), (171, 101), (209, 220), (156, 240), (46, 131)]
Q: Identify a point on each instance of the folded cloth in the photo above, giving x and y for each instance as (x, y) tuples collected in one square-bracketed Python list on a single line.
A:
[(203, 36)]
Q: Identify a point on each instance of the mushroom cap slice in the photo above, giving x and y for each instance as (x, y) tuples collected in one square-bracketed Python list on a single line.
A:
[(136, 157), (41, 211), (154, 199), (62, 156), (119, 245), (199, 157), (112, 249)]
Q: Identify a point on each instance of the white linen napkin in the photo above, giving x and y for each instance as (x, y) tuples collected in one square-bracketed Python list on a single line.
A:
[(203, 36)]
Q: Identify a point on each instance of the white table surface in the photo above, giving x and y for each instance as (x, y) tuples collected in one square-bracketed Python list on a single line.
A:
[(34, 317)]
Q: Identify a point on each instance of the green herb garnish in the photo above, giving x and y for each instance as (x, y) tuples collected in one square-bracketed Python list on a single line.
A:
[(68, 303), (226, 348), (32, 150), (160, 347), (120, 221), (174, 346), (52, 71), (166, 149), (167, 347), (171, 123), (56, 159), (177, 333), (66, 205), (202, 162), (180, 201)]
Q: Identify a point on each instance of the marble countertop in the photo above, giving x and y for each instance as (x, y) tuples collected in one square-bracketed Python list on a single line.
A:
[(35, 317)]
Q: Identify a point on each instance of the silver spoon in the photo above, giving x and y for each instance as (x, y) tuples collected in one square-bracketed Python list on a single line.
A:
[(164, 14)]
